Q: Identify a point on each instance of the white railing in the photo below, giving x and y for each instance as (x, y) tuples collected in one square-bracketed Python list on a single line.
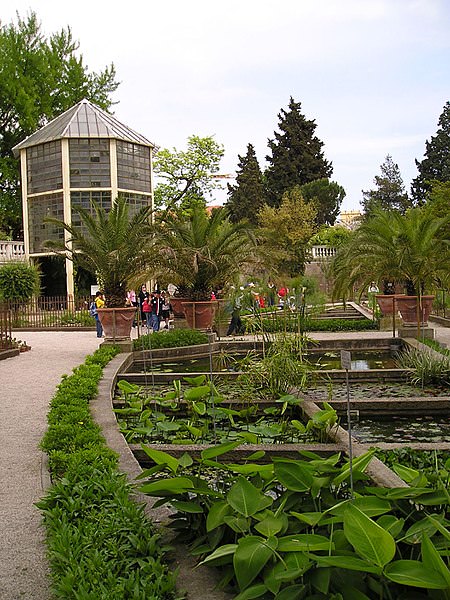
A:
[(11, 251), (322, 252)]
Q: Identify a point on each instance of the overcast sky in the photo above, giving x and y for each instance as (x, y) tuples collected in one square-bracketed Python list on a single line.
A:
[(374, 74)]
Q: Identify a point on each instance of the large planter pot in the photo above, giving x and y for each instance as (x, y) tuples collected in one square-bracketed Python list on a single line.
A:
[(117, 322), (200, 315), (386, 303), (177, 308), (407, 306)]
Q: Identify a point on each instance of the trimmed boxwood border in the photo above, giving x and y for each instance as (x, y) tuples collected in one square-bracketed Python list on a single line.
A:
[(100, 543)]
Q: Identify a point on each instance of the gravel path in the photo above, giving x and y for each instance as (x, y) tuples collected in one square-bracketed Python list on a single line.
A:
[(27, 384)]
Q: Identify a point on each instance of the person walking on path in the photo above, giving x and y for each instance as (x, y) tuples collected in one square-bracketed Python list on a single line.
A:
[(28, 382)]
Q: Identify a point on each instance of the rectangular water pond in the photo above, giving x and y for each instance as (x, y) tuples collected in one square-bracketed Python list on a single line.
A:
[(402, 430), (368, 360)]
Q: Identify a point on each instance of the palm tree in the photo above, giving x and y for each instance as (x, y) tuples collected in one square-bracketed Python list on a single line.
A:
[(409, 248), (200, 253), (109, 244)]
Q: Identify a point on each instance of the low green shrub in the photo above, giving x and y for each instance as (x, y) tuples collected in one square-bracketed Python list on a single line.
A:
[(100, 543), (170, 339), (425, 367), (294, 324)]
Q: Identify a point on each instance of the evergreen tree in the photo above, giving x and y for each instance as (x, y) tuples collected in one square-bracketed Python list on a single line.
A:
[(247, 196), (390, 193), (39, 79), (327, 197), (296, 154), (436, 164)]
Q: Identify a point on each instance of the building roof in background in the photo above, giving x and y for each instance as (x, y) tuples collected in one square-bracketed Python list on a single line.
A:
[(83, 120)]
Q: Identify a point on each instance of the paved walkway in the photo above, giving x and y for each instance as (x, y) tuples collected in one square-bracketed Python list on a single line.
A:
[(27, 384)]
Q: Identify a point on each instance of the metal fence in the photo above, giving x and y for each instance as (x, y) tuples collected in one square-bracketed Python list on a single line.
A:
[(6, 341), (58, 312)]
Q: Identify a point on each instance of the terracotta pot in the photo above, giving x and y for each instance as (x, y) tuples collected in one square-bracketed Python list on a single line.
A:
[(117, 322), (200, 315), (386, 303), (176, 302), (407, 306)]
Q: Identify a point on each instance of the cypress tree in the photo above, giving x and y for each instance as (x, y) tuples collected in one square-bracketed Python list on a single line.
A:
[(436, 164), (247, 196), (296, 154)]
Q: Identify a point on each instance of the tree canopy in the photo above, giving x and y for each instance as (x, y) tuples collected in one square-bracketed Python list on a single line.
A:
[(40, 77), (327, 197), (187, 176), (247, 195), (436, 164), (285, 232), (390, 193), (296, 154)]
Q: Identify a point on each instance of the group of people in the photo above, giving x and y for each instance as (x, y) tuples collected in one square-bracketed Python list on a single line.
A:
[(155, 308)]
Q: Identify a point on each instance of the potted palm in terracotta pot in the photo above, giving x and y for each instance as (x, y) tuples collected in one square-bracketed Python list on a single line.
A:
[(406, 248), (111, 245), (201, 254)]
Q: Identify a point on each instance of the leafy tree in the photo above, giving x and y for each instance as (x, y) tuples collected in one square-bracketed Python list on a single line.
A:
[(390, 193), (296, 154), (187, 175), (19, 281), (40, 77), (285, 233), (436, 164), (247, 196), (439, 202), (327, 197), (333, 237)]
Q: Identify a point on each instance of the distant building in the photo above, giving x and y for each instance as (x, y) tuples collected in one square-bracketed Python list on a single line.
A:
[(349, 218), (85, 154)]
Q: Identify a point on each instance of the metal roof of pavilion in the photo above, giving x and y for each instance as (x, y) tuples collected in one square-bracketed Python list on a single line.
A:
[(83, 120)]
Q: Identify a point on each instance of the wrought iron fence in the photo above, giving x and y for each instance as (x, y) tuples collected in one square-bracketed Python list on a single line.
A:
[(6, 341), (58, 312)]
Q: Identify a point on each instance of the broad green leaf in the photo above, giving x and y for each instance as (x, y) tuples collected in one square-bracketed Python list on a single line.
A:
[(198, 380), (161, 458), (216, 514), (238, 524), (295, 476), (414, 534), (369, 505), (219, 450), (269, 526), (250, 557), (298, 425), (310, 518), (406, 473), (193, 394), (255, 591), (293, 592), (320, 580), (359, 465), (265, 470), (187, 506), (370, 541), (439, 526), (258, 455), (246, 499), (185, 460), (167, 487), (304, 542), (352, 563), (391, 524), (127, 387), (199, 408), (415, 574), (433, 560), (220, 553)]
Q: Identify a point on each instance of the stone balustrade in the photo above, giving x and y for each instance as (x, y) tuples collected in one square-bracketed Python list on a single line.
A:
[(11, 250), (322, 253)]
